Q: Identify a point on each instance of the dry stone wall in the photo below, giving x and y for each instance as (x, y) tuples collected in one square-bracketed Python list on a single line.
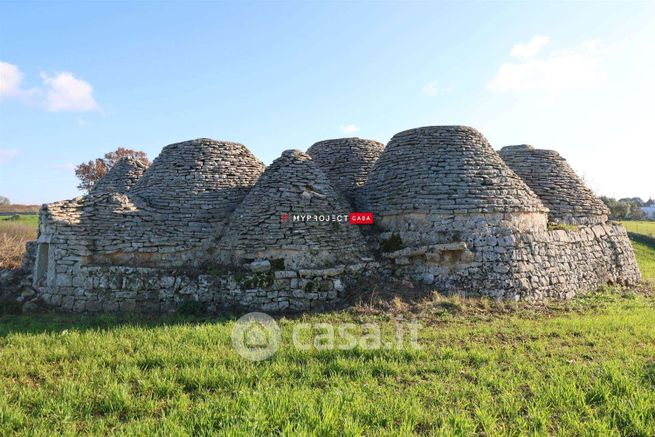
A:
[(505, 264), (556, 184), (121, 177), (347, 162), (437, 184), (294, 215), (152, 290), (206, 228)]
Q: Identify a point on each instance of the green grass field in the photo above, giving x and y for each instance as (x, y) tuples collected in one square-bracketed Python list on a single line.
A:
[(583, 367), (644, 247), (644, 227), (32, 219)]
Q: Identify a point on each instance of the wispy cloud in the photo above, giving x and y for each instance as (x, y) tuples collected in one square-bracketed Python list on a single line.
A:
[(7, 155), (558, 71), (348, 128), (60, 92), (431, 88), (531, 48)]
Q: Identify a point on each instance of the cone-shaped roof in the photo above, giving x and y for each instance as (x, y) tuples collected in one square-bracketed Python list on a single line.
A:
[(121, 177), (201, 174), (444, 170), (556, 184), (269, 223), (347, 162)]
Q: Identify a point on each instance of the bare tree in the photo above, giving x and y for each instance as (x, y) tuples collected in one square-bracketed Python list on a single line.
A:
[(90, 172)]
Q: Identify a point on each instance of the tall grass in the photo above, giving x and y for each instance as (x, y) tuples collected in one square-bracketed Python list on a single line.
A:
[(13, 236)]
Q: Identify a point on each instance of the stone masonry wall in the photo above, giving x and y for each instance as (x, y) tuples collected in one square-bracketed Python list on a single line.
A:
[(192, 231), (347, 162), (502, 263), (149, 290), (556, 184), (445, 170)]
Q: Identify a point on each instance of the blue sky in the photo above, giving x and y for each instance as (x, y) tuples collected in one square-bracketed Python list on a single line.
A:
[(79, 79)]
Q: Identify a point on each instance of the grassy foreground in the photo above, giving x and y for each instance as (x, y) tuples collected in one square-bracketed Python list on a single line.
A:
[(583, 367)]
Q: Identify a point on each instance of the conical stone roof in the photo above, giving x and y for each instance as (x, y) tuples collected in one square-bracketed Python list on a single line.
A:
[(347, 162), (121, 177), (445, 170), (556, 184), (202, 177), (269, 223)]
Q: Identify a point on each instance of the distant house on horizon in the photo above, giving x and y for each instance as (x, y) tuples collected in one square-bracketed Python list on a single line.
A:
[(649, 209)]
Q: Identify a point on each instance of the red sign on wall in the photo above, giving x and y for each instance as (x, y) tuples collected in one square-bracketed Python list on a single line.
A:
[(360, 218)]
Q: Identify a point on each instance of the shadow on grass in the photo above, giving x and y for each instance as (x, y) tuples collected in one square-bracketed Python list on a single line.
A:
[(50, 323), (643, 239)]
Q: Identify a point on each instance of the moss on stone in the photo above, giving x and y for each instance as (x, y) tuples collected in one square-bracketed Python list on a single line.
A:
[(391, 244)]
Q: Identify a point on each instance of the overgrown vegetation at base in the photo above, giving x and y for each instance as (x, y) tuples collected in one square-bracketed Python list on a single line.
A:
[(581, 367), (15, 231)]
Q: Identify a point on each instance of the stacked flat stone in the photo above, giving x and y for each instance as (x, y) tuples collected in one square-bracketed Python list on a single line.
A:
[(269, 223), (461, 221), (199, 177), (347, 162), (445, 170), (121, 177), (556, 184), (174, 212)]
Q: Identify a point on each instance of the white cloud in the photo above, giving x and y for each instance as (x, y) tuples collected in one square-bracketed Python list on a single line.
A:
[(531, 48), (11, 83), (65, 92), (61, 92), (431, 88), (553, 73), (10, 80), (7, 155), (348, 128)]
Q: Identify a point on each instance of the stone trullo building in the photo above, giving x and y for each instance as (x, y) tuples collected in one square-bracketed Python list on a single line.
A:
[(206, 225), (568, 199), (121, 177), (347, 162)]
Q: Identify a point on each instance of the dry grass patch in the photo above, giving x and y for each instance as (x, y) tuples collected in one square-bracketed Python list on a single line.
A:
[(13, 236)]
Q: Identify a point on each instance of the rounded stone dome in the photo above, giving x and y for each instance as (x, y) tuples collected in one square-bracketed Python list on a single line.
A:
[(201, 175), (347, 162), (558, 186), (121, 177), (291, 214), (445, 170)]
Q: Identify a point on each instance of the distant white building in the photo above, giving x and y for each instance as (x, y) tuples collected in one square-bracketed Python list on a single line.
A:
[(650, 211)]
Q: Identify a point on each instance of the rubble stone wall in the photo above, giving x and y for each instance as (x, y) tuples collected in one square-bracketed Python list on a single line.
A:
[(503, 263), (554, 181), (150, 290), (206, 227)]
